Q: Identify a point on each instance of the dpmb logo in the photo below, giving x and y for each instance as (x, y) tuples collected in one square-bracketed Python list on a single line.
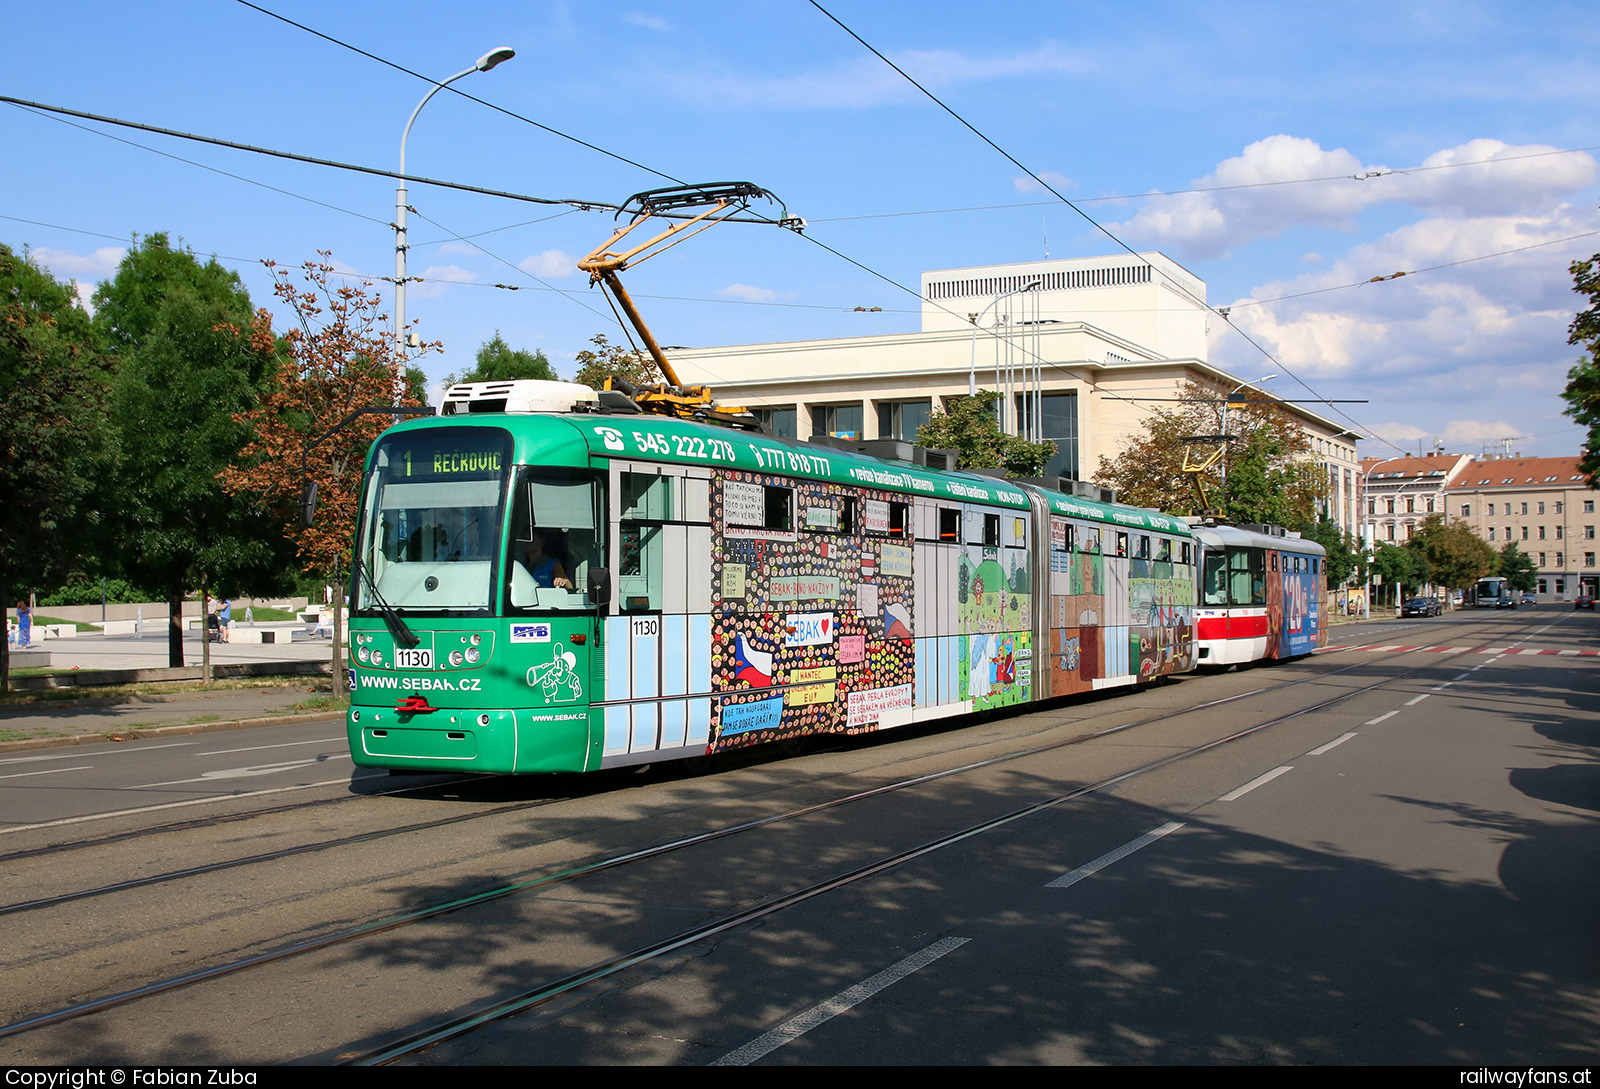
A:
[(530, 633)]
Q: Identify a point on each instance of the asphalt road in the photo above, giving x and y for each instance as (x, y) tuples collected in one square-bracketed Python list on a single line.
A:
[(1408, 875)]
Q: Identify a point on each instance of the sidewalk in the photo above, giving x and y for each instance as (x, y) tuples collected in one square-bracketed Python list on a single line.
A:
[(169, 700)]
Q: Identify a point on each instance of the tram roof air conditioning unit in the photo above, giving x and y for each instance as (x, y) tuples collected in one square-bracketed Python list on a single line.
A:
[(1085, 490), (522, 395)]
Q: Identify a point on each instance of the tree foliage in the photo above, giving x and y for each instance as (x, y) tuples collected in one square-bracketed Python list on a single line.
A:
[(1266, 475), (1341, 549), (968, 426), (338, 358), (188, 366), (1455, 556), (606, 359), (55, 450), (1517, 566), (497, 361), (1583, 380)]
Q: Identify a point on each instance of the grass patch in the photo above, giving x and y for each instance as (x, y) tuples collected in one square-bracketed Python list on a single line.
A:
[(264, 612), (80, 625), (330, 702), (159, 688)]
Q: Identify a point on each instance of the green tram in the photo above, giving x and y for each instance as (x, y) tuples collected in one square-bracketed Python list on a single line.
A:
[(540, 586)]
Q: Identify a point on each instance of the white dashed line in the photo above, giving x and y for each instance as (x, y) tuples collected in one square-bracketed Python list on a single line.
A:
[(1336, 741), (1240, 792), (1380, 718), (1067, 880), (799, 1025)]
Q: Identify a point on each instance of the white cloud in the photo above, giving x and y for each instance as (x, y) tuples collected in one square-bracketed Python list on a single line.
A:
[(1061, 182), (867, 81), (465, 248), (66, 265), (649, 22), (748, 293), (1210, 224), (1428, 348), (435, 279), (551, 264)]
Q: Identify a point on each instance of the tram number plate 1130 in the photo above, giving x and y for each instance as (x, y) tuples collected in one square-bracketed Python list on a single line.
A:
[(419, 658)]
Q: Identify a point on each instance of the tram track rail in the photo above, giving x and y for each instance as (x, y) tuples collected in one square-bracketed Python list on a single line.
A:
[(422, 826), (549, 878)]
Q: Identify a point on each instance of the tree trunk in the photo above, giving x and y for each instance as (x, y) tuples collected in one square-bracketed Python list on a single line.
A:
[(175, 627), (5, 650)]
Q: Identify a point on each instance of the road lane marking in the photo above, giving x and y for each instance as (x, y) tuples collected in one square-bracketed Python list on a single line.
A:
[(1067, 880), (1261, 780), (1340, 740), (1414, 700), (1380, 718), (48, 771), (244, 773), (823, 1012), (80, 754), (1463, 676), (287, 744)]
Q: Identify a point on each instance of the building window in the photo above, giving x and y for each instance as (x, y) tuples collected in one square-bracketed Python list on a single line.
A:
[(1588, 506), (1058, 418), (1390, 528), (1561, 559), (839, 421), (780, 423), (1560, 531), (902, 419), (1466, 511), (1524, 533), (1411, 505), (1541, 533), (1541, 559), (1560, 506), (1588, 532), (1391, 506), (1491, 509), (1542, 584), (1372, 506), (1524, 508), (1491, 533), (1541, 508), (1588, 559)]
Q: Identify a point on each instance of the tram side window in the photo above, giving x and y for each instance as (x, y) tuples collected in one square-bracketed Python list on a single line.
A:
[(1163, 550), (1215, 578), (1188, 553), (899, 519), (1090, 540), (1144, 548), (555, 538), (847, 515), (1122, 544), (949, 524), (645, 504), (991, 531), (1247, 582)]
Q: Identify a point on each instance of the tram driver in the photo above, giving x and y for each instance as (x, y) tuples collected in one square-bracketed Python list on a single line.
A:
[(542, 555)]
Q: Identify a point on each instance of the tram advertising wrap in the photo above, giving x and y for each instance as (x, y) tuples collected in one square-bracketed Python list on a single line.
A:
[(568, 591)]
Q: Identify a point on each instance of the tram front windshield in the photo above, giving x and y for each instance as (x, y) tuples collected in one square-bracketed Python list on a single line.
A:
[(430, 529)]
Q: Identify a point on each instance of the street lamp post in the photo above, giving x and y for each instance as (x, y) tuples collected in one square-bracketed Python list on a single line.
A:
[(972, 372), (483, 64), (1372, 533)]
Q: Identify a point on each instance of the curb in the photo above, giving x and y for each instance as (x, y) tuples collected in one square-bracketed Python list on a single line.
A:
[(145, 732)]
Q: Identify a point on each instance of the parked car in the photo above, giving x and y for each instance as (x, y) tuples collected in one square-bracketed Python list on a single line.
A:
[(1583, 601), (1530, 598), (1422, 606)]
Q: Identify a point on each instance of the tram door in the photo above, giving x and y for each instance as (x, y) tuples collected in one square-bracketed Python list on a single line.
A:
[(657, 658)]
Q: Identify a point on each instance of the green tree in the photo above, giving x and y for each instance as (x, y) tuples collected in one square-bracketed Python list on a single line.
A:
[(55, 452), (187, 367), (1340, 547), (1399, 567), (338, 359), (1456, 556), (606, 360), (968, 426), (1583, 380), (1265, 475), (497, 361), (1517, 566)]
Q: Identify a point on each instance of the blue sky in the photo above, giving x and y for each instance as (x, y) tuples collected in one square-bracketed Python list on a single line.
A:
[(1111, 103)]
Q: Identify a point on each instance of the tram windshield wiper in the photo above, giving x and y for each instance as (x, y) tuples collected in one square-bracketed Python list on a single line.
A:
[(403, 635)]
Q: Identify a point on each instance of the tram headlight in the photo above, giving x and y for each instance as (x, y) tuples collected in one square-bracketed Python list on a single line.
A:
[(377, 657), (483, 720), (363, 654), (455, 658), (476, 639), (355, 716), (473, 655)]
